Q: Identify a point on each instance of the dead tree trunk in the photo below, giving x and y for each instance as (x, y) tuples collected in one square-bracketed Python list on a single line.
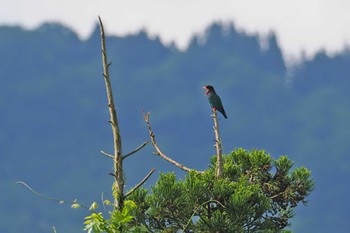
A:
[(118, 189), (118, 157)]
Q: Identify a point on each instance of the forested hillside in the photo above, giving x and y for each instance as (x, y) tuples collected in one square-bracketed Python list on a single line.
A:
[(53, 117)]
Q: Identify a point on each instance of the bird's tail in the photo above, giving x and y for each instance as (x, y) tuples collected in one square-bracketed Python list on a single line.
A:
[(223, 112)]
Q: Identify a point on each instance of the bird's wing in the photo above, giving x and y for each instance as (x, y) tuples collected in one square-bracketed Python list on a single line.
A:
[(215, 102)]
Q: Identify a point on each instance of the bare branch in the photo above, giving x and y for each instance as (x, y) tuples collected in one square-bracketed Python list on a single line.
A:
[(106, 154), (139, 184), (110, 173), (155, 145), (136, 150), (218, 145)]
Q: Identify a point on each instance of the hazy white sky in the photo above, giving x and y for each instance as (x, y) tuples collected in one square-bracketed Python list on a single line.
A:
[(300, 25)]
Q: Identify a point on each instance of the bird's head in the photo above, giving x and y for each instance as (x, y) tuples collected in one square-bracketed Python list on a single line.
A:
[(208, 89)]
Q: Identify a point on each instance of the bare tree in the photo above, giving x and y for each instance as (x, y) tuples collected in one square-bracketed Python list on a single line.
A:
[(118, 157)]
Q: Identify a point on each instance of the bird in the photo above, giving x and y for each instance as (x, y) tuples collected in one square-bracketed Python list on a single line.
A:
[(214, 100)]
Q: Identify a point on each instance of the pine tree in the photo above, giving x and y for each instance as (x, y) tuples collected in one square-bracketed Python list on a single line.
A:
[(255, 194)]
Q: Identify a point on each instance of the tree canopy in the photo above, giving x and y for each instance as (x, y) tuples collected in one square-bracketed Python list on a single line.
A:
[(256, 194)]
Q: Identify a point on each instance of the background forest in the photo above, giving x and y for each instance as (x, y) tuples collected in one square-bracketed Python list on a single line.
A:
[(54, 117)]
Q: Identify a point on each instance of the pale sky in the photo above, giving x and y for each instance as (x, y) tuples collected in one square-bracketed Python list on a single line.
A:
[(300, 25)]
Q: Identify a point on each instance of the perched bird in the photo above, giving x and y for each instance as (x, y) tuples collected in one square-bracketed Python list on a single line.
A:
[(214, 100)]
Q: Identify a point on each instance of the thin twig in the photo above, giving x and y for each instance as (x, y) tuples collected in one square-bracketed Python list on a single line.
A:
[(136, 150), (51, 198), (139, 184), (155, 145), (106, 154)]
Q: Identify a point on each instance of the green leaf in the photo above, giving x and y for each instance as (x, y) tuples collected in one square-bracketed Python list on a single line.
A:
[(93, 206), (107, 202), (75, 206)]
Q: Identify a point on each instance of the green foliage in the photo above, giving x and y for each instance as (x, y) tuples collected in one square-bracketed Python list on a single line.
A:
[(256, 194), (119, 221), (96, 223)]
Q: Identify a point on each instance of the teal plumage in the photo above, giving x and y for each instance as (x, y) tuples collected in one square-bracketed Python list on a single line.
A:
[(214, 100)]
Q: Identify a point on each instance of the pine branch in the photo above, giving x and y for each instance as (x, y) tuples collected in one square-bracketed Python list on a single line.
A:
[(159, 152), (139, 184), (200, 206)]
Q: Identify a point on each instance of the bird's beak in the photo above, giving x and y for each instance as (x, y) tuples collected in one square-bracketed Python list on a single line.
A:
[(206, 90)]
